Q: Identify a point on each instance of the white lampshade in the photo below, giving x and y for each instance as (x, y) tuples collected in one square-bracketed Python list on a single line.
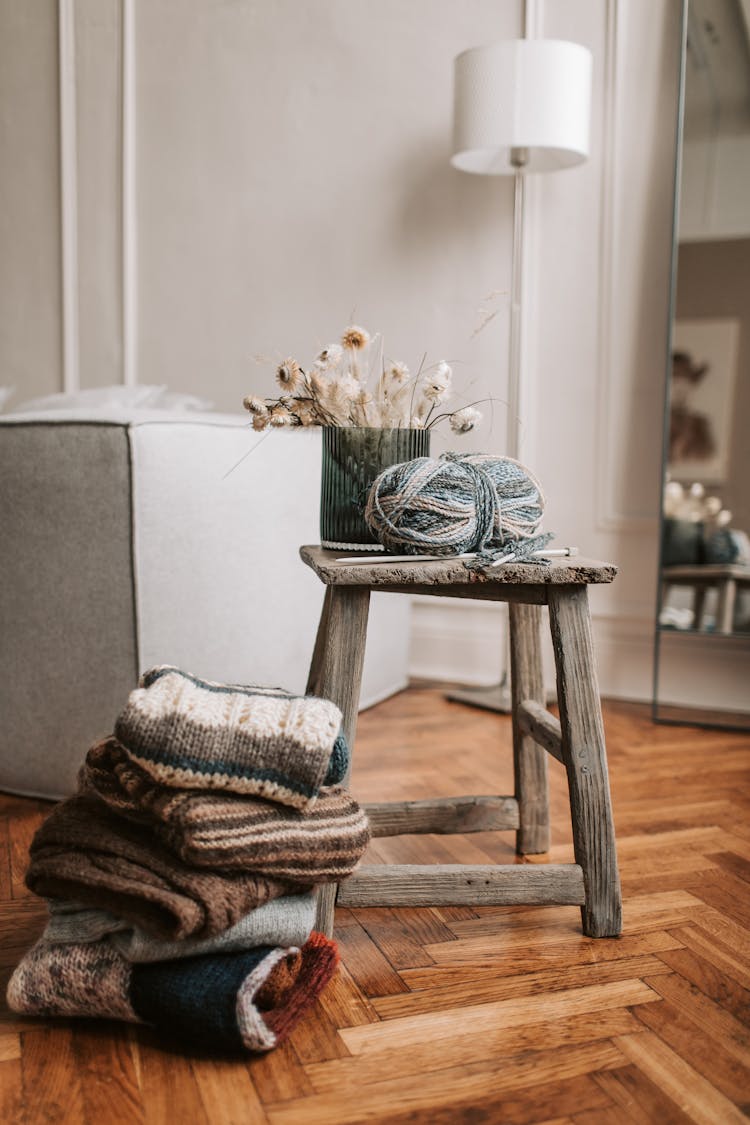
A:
[(532, 94)]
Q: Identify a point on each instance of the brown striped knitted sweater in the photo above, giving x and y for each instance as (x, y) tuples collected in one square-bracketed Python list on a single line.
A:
[(87, 853), (225, 831)]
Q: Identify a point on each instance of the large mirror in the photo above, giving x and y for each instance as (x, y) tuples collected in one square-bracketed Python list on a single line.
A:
[(702, 664)]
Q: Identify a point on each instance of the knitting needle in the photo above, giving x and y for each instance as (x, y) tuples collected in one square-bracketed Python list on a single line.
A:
[(556, 553)]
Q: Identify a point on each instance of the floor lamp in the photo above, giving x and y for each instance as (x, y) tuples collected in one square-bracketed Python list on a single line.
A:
[(521, 106)]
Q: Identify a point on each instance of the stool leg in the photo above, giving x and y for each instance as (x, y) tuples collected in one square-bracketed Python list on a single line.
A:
[(529, 759), (336, 674), (585, 759), (727, 596)]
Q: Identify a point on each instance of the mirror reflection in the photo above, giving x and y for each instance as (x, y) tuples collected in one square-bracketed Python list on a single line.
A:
[(703, 627)]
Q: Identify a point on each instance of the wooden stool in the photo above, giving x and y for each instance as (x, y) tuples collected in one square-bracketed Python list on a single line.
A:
[(576, 740)]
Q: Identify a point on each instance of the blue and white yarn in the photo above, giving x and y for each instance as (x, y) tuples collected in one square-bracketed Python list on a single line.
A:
[(456, 504)]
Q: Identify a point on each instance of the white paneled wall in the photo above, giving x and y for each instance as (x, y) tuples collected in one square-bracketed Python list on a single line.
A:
[(248, 177)]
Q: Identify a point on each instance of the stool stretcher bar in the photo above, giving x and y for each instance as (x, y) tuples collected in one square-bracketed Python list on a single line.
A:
[(442, 816), (458, 884), (535, 720)]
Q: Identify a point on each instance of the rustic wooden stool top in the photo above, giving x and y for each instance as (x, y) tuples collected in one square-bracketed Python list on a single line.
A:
[(576, 739)]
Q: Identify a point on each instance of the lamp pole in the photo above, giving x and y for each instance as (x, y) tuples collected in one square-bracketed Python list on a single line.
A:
[(518, 158), (498, 696), (520, 106)]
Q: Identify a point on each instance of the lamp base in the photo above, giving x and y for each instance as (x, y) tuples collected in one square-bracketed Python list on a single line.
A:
[(496, 697)]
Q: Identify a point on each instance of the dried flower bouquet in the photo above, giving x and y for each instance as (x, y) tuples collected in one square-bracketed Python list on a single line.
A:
[(352, 384)]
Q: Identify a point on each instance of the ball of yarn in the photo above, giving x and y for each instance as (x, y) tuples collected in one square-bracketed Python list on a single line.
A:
[(454, 504)]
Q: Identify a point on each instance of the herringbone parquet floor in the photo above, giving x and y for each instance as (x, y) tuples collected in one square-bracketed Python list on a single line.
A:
[(453, 1015)]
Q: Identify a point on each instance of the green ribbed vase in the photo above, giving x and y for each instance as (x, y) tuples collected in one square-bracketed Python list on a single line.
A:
[(353, 457)]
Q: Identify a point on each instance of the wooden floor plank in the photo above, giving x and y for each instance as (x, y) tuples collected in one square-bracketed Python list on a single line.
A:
[(481, 955), (169, 1090), (316, 1037), (456, 1087), (688, 1039), (723, 930), (6, 882), (706, 1014), (12, 1102), (727, 893), (449, 995), (713, 950), (712, 982), (367, 964), (392, 935), (542, 1105), (437, 1023), (345, 1002), (734, 864), (641, 1100), (421, 1056), (10, 1046), (279, 1076), (105, 1066), (693, 1094), (51, 1082), (227, 1093)]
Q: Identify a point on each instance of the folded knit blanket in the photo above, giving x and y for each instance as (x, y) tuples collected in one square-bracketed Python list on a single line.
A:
[(226, 831), (86, 853), (196, 734), (221, 1002), (286, 921)]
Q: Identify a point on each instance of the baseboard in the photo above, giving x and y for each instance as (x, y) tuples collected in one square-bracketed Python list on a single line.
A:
[(464, 643)]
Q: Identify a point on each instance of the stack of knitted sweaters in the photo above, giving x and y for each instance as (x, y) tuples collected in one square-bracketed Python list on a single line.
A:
[(180, 876)]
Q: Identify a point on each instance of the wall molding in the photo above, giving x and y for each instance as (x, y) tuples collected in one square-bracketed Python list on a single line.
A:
[(66, 49), (608, 516), (129, 230)]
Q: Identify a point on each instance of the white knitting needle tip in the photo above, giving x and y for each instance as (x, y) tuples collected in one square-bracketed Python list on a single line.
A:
[(556, 553)]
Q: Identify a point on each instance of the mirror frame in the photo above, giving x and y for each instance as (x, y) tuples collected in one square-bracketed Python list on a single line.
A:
[(702, 717)]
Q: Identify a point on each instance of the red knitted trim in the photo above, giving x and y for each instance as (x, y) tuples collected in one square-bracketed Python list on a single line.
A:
[(280, 980), (320, 957)]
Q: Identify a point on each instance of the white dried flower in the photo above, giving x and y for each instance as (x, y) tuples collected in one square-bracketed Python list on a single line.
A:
[(288, 374), (329, 357), (464, 420), (346, 386), (360, 412), (280, 416), (436, 385), (417, 422), (254, 404), (304, 414), (260, 421), (355, 338), (398, 372)]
